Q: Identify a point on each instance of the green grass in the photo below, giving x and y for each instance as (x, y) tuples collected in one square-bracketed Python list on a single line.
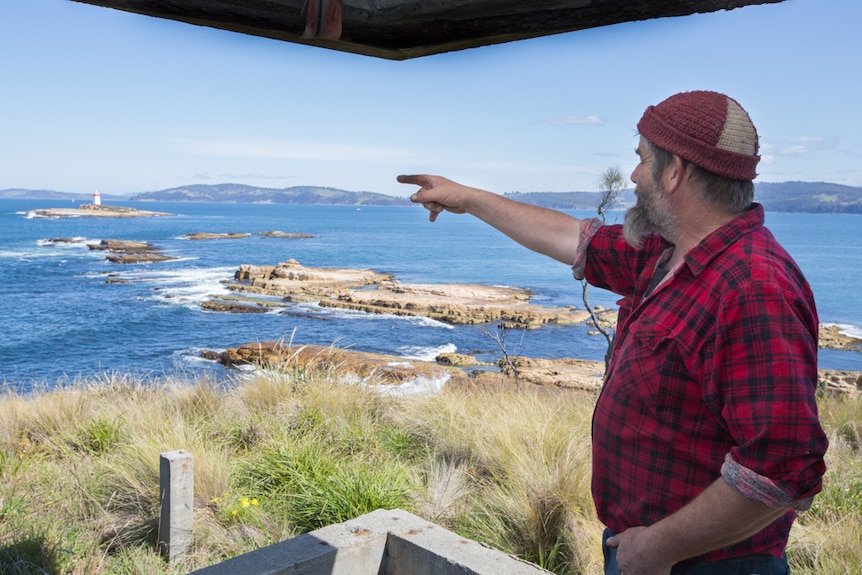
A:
[(285, 453)]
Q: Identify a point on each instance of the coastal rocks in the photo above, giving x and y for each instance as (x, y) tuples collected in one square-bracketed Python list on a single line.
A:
[(568, 374), (129, 252), (457, 359), (832, 337), (297, 283), (564, 373), (59, 241), (460, 304), (239, 304), (231, 307), (285, 235), (94, 211), (367, 367), (240, 235), (215, 236)]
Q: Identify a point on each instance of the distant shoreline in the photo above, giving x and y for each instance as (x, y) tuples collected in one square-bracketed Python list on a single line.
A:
[(776, 197)]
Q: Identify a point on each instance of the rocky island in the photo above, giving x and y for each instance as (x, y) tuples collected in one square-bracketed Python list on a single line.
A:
[(94, 211)]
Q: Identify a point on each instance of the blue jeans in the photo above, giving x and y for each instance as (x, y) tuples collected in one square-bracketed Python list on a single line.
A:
[(748, 565)]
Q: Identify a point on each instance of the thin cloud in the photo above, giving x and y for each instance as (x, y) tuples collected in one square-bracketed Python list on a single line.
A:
[(523, 167), (592, 120), (287, 150), (794, 151), (808, 140), (798, 146), (252, 176)]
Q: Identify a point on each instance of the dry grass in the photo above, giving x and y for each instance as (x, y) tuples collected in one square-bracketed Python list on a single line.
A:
[(79, 471)]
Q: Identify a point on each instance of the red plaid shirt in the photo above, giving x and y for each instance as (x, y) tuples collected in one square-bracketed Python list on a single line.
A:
[(713, 374)]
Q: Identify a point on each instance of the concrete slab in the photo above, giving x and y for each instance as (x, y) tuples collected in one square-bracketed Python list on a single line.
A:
[(383, 542)]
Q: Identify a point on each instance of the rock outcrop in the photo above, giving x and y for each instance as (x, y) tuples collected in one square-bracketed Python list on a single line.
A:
[(232, 307), (285, 235), (377, 369), (129, 252), (215, 236), (459, 370), (460, 304), (297, 283), (831, 337), (564, 373)]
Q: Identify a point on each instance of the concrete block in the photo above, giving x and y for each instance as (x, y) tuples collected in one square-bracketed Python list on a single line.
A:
[(383, 542)]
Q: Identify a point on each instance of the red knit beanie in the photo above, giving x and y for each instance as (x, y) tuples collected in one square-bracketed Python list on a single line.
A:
[(708, 129)]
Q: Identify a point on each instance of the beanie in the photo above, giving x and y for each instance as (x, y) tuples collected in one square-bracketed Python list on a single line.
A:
[(708, 129)]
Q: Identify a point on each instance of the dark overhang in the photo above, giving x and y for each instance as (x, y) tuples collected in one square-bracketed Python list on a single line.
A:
[(403, 29)]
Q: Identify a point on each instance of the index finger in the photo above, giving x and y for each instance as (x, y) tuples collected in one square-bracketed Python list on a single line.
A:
[(418, 179)]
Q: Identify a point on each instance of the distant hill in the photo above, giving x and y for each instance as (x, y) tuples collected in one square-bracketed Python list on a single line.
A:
[(240, 193), (788, 197), (807, 197)]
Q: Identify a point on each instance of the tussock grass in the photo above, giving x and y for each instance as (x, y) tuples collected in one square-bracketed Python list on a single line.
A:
[(278, 454)]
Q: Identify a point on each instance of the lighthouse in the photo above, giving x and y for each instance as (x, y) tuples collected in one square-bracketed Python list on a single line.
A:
[(97, 199)]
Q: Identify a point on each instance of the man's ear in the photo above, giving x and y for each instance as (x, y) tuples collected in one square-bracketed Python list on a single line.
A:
[(674, 174)]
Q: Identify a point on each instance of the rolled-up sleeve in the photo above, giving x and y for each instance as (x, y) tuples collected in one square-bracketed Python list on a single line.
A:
[(589, 227)]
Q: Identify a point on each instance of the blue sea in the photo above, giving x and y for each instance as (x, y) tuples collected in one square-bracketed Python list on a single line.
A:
[(63, 323)]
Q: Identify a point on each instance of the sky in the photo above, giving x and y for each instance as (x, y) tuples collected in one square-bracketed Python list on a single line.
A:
[(98, 99)]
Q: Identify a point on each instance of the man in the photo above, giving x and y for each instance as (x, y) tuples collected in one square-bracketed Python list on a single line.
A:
[(706, 438)]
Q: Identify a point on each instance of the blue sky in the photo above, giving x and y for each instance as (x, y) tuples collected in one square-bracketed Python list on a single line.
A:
[(92, 98)]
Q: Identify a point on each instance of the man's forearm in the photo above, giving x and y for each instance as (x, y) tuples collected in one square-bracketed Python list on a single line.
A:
[(718, 517), (546, 231)]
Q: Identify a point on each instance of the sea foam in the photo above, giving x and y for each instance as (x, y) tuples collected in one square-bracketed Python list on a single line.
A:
[(186, 286), (425, 353), (849, 330), (349, 314), (418, 385)]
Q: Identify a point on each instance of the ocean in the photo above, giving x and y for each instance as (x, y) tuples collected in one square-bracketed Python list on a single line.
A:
[(63, 323)]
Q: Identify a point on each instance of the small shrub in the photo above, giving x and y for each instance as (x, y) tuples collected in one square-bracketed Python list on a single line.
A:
[(320, 487), (283, 467), (98, 436), (354, 489)]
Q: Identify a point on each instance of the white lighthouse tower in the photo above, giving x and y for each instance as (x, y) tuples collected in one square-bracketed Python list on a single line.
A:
[(97, 199)]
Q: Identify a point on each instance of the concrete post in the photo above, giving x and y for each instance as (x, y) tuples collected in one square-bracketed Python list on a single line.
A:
[(176, 482)]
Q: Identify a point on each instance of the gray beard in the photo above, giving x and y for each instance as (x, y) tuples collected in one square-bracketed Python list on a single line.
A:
[(637, 225), (647, 217)]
